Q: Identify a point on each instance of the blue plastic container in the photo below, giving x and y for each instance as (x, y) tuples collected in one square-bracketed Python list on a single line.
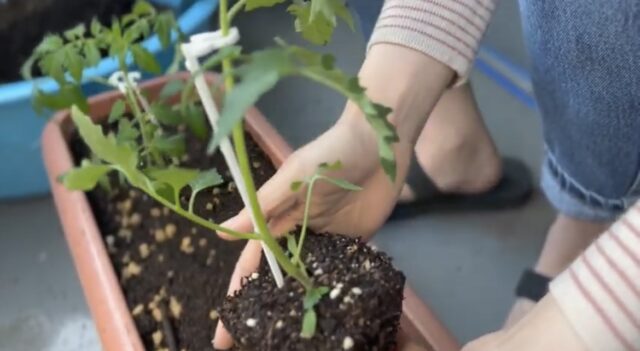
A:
[(21, 169)]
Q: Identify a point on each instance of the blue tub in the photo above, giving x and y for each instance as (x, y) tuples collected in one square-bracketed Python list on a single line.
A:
[(21, 169)]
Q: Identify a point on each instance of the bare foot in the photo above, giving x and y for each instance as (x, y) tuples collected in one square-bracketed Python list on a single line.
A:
[(567, 238), (545, 328), (455, 148)]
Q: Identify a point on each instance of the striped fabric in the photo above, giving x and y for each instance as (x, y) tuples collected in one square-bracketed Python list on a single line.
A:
[(600, 292), (447, 30)]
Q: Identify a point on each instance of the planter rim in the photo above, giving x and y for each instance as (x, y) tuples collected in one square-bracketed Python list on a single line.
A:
[(196, 14), (99, 281)]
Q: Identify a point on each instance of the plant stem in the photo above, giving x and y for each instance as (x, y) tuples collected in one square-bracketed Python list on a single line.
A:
[(305, 222), (137, 112), (235, 9), (197, 219), (245, 170)]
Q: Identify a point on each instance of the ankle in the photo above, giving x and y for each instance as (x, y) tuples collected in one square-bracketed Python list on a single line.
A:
[(461, 164)]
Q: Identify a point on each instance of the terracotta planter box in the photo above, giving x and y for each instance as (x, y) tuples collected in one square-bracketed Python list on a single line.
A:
[(99, 281)]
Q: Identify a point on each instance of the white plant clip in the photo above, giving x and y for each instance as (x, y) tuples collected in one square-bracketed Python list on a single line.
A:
[(200, 45), (119, 80)]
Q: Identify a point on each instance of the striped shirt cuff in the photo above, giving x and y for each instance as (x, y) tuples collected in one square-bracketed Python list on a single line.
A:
[(600, 292), (447, 30)]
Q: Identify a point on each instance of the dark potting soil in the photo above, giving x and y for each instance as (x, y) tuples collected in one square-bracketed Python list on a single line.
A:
[(164, 261), (361, 312), (174, 274), (23, 24)]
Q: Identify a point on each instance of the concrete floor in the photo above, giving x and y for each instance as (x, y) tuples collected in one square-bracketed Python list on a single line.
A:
[(464, 265)]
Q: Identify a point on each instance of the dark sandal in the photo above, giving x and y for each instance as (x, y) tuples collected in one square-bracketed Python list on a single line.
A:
[(533, 285), (513, 189)]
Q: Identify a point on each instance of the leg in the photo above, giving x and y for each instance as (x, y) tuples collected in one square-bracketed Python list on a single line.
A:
[(454, 148), (586, 70)]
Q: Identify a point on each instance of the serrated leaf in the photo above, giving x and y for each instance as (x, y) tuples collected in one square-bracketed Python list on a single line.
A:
[(309, 322), (342, 183), (76, 32), (196, 121), (65, 97), (313, 296), (206, 179), (176, 177), (258, 76), (163, 25), (141, 8), (74, 63), (96, 27), (329, 9), (145, 60), (117, 110), (295, 186), (254, 4), (126, 132), (49, 43), (318, 31), (91, 53), (166, 114), (174, 145), (172, 88), (106, 148), (52, 64), (85, 177), (164, 190)]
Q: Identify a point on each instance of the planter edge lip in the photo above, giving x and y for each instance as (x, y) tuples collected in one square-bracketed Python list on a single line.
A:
[(57, 158)]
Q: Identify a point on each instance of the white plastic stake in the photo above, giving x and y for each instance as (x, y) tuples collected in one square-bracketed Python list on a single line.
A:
[(201, 45)]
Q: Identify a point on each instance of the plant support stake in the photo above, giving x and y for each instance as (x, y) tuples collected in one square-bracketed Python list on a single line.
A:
[(201, 45)]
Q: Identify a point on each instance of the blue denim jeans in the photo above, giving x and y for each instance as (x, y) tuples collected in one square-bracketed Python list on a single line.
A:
[(585, 70)]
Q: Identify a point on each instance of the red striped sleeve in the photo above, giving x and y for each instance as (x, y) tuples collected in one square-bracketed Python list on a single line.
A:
[(447, 30), (600, 293)]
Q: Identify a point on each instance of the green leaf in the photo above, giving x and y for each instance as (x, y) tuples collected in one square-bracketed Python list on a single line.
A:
[(126, 132), (311, 299), (104, 147), (117, 110), (309, 322), (163, 26), (342, 183), (141, 8), (295, 186), (258, 76), (91, 53), (291, 244), (196, 121), (145, 60), (176, 177), (85, 177), (172, 88), (74, 63), (96, 27), (166, 114), (318, 31), (165, 191), (76, 32), (68, 95), (254, 4), (205, 180), (50, 43), (174, 145), (52, 64), (313, 296), (329, 9)]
